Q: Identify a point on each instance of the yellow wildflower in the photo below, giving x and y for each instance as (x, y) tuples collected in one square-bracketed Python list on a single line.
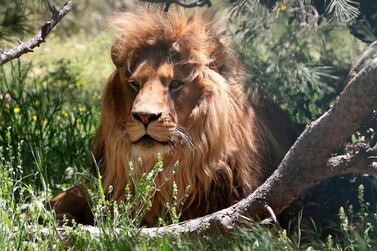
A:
[(82, 109), (45, 121), (34, 117), (65, 114), (79, 84), (17, 109), (283, 6)]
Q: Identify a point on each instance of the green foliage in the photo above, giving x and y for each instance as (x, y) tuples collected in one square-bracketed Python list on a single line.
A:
[(358, 228), (12, 19), (343, 11), (17, 18), (299, 66), (15, 232), (52, 115)]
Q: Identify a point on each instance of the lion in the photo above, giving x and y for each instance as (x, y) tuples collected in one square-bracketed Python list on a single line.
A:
[(178, 91)]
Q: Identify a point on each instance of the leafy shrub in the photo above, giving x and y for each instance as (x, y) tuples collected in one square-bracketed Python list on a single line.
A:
[(301, 67), (52, 115)]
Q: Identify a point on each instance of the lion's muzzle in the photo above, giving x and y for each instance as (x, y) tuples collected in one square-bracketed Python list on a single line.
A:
[(146, 117)]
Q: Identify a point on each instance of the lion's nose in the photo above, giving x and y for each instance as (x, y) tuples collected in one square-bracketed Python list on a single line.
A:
[(146, 117)]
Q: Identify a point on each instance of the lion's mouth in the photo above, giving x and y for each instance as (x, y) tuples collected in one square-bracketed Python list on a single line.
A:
[(149, 140)]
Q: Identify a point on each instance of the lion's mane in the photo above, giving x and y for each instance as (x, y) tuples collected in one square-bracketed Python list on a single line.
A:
[(236, 141)]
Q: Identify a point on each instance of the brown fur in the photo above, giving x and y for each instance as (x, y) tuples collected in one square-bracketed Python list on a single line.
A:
[(226, 145)]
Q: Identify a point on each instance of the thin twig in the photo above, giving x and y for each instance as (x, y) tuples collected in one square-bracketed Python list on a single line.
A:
[(360, 62), (274, 218), (39, 38)]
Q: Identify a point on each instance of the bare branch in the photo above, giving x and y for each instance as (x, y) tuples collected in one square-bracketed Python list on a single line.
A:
[(274, 218), (360, 159), (25, 47)]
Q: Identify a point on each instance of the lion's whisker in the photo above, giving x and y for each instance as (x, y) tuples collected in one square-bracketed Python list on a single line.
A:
[(183, 134)]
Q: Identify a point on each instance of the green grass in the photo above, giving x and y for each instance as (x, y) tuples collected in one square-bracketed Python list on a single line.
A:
[(89, 55), (52, 117), (49, 114)]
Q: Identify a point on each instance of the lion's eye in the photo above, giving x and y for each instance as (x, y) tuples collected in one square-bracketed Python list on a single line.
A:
[(134, 84), (176, 85)]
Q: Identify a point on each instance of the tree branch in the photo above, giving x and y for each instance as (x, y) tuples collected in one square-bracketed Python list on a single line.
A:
[(361, 160), (39, 38)]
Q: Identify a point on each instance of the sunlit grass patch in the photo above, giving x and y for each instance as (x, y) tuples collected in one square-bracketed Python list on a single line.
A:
[(88, 54)]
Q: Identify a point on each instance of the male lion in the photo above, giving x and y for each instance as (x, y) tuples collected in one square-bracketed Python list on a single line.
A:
[(177, 90)]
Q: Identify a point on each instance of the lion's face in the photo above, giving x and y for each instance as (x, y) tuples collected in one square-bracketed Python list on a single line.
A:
[(162, 95)]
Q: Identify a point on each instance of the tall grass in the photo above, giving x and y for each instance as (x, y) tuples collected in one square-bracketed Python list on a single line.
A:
[(54, 118)]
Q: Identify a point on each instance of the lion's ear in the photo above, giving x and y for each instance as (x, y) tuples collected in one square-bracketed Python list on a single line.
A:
[(116, 53), (215, 28), (123, 56), (218, 55)]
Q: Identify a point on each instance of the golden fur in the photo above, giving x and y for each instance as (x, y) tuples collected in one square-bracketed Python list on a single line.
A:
[(226, 145)]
